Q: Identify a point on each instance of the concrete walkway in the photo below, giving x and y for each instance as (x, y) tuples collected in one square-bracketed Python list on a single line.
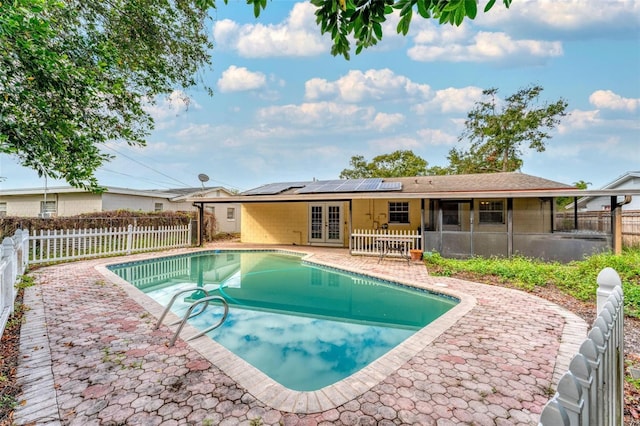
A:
[(89, 356)]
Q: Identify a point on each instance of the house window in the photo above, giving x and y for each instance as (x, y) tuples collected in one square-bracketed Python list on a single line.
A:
[(398, 212), (3, 209), (158, 207), (47, 207), (491, 212), (231, 213)]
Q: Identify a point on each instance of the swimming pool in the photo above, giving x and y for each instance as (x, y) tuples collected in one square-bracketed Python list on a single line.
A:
[(304, 325)]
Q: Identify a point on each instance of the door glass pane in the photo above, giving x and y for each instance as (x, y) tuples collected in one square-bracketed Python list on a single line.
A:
[(316, 222), (333, 220)]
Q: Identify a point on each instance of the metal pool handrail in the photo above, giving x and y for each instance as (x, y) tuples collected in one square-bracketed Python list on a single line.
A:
[(187, 315), (173, 299)]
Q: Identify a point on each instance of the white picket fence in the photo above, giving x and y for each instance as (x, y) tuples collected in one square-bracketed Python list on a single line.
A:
[(367, 241), (592, 391), (71, 244), (13, 263)]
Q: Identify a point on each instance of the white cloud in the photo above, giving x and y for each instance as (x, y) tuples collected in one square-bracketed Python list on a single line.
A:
[(383, 121), (565, 16), (578, 119), (434, 137), (358, 86), (450, 100), (387, 145), (606, 99), (238, 79), (296, 36), (446, 45), (324, 115)]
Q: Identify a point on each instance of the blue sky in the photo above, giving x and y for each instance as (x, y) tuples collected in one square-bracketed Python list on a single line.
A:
[(284, 109)]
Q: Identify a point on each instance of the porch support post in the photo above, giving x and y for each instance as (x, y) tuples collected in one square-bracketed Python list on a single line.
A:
[(471, 227), (200, 224), (421, 224), (440, 214), (575, 213), (509, 227), (350, 224), (616, 226)]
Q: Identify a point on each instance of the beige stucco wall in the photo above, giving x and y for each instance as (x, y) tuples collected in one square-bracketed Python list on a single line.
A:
[(66, 204), (223, 223), (146, 204), (372, 214), (278, 223), (531, 215), (22, 205), (77, 203)]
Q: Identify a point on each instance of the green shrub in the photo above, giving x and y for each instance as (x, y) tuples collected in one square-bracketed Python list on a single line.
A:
[(577, 279)]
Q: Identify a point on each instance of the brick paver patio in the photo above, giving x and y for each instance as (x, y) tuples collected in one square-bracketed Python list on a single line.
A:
[(89, 355)]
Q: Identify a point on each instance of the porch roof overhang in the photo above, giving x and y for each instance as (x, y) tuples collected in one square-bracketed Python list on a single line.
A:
[(396, 195)]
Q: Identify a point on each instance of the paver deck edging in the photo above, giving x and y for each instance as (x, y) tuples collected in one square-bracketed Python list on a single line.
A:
[(446, 361)]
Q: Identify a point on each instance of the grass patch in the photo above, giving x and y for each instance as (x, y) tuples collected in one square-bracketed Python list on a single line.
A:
[(577, 279)]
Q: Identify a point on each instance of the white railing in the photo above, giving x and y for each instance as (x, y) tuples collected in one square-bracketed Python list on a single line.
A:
[(366, 241), (14, 261), (71, 244), (592, 391)]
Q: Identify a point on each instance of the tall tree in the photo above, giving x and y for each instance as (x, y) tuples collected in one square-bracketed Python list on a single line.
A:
[(396, 164), (499, 131), (76, 74)]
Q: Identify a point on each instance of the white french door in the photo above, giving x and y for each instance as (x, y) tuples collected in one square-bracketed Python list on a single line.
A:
[(325, 224)]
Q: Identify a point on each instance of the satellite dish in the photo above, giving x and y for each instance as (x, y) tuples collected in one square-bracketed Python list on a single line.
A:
[(203, 178)]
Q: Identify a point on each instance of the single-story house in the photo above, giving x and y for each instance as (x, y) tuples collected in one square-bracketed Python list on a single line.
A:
[(629, 180), (70, 201), (458, 215)]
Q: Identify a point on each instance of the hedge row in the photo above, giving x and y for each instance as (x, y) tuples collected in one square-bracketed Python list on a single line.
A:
[(112, 219)]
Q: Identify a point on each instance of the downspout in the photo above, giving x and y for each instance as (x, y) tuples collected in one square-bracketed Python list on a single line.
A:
[(200, 208), (510, 227), (422, 243), (471, 225), (350, 225)]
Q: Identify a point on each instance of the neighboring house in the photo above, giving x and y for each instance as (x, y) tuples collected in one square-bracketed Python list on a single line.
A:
[(629, 180), (458, 216), (69, 201)]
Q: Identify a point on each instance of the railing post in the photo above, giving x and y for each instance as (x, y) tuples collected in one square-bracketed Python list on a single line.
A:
[(129, 237), (10, 273), (608, 279)]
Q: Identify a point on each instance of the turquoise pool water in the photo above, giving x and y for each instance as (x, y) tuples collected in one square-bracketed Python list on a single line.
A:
[(303, 325)]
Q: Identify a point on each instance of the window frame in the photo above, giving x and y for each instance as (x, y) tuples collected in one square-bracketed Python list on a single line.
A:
[(45, 206), (491, 214), (158, 207), (396, 215), (232, 217)]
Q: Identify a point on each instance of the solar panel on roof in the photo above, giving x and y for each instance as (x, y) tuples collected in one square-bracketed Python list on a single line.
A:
[(350, 185), (390, 186), (274, 188)]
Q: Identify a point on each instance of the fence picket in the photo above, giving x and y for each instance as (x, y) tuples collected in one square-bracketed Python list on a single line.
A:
[(591, 393), (14, 261), (363, 241), (72, 244)]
